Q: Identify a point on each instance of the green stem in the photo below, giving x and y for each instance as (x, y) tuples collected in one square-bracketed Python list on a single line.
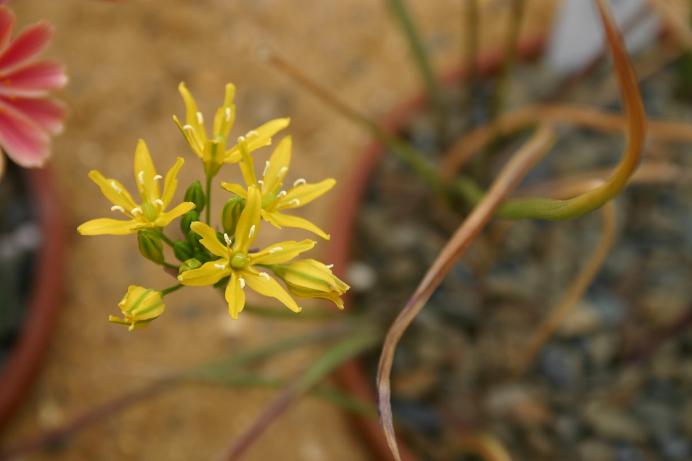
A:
[(171, 289), (166, 240), (169, 265), (420, 55), (469, 86), (208, 193), (513, 32)]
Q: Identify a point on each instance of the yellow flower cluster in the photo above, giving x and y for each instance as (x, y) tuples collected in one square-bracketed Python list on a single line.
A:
[(208, 257)]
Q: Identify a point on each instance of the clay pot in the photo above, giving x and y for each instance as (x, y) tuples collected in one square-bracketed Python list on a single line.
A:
[(42, 307), (352, 376)]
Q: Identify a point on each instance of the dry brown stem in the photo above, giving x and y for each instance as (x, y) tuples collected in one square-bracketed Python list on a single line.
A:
[(507, 180)]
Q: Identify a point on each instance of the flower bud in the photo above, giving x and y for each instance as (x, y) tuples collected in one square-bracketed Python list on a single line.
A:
[(187, 219), (309, 278), (195, 194), (231, 214), (183, 250), (150, 245), (139, 306), (189, 264)]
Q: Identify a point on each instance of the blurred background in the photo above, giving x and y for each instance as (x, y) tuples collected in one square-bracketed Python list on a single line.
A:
[(125, 59)]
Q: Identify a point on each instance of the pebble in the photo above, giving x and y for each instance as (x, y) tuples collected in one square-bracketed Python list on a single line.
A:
[(361, 276), (614, 424), (582, 319)]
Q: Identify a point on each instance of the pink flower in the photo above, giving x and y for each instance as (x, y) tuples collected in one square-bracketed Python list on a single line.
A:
[(28, 117)]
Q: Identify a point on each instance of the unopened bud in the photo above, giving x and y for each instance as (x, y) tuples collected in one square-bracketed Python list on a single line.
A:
[(150, 245), (195, 194), (231, 214)]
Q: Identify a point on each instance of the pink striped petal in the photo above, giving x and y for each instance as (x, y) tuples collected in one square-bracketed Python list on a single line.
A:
[(46, 113), (29, 43), (6, 25), (23, 140), (33, 80)]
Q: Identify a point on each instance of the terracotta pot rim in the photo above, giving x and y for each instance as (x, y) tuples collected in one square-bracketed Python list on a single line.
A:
[(44, 301), (352, 375)]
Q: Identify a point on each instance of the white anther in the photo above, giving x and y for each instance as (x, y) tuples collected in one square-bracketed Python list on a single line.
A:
[(200, 118), (283, 170), (227, 239), (158, 177), (228, 114), (136, 211), (115, 187), (281, 194), (220, 266), (260, 182), (266, 168), (159, 202), (140, 177), (299, 182), (329, 266), (252, 134), (252, 231), (242, 282), (241, 139), (117, 208), (276, 250), (188, 128), (264, 275), (294, 202)]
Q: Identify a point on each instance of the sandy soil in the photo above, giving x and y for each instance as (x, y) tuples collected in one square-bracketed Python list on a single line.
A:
[(125, 59)]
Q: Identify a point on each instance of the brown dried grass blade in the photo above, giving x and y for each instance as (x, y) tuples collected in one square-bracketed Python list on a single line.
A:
[(507, 180), (588, 117)]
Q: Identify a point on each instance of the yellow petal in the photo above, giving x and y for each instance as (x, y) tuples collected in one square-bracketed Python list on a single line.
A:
[(283, 220), (144, 173), (165, 218), (235, 296), (248, 223), (277, 166), (304, 194), (225, 115), (209, 239), (171, 182), (258, 138), (310, 274), (236, 189), (107, 226), (113, 191), (193, 117), (265, 285), (330, 295), (208, 274), (190, 136), (281, 252), (247, 165)]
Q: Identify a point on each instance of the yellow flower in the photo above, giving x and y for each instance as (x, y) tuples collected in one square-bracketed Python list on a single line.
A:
[(309, 278), (274, 199), (241, 266), (139, 307), (212, 149), (150, 213)]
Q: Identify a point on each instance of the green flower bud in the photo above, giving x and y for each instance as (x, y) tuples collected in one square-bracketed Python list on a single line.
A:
[(231, 214), (195, 194), (309, 278), (150, 245), (189, 264), (187, 219), (139, 306), (183, 250)]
